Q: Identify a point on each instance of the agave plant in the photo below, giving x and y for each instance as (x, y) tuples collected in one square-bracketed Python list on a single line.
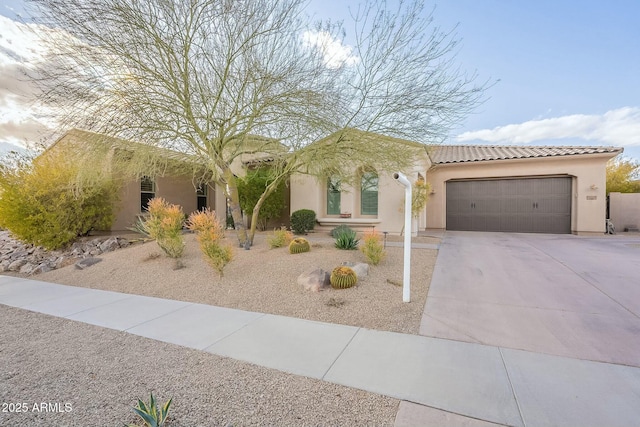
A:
[(346, 239), (151, 414)]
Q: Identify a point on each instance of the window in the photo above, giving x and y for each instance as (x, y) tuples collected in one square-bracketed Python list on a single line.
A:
[(333, 195), (369, 193), (201, 192), (147, 192)]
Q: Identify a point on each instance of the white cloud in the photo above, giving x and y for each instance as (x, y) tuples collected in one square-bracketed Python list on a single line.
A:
[(20, 47), (615, 127), (335, 53)]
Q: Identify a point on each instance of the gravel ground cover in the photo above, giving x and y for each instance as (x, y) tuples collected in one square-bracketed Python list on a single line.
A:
[(99, 373), (264, 280), (96, 375)]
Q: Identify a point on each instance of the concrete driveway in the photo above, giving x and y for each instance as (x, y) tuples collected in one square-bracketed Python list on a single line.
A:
[(563, 295)]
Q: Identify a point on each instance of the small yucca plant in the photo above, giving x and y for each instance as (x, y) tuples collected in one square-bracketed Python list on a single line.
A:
[(151, 414)]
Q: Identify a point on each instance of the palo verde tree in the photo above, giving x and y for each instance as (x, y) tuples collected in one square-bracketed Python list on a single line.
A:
[(223, 79), (252, 187), (623, 175)]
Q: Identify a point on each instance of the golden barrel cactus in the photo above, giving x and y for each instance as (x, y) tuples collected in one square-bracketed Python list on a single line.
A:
[(299, 245), (343, 277)]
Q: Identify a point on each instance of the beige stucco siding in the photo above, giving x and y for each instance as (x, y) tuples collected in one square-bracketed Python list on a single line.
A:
[(587, 171), (624, 210), (309, 193), (175, 190)]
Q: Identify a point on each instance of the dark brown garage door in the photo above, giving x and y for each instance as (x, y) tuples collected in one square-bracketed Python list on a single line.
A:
[(524, 205)]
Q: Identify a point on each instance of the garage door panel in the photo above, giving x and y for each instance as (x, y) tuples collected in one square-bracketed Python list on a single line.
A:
[(554, 205), (528, 205), (460, 222), (509, 223)]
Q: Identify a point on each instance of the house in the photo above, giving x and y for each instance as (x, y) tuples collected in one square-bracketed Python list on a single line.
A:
[(477, 188), (169, 174), (177, 177)]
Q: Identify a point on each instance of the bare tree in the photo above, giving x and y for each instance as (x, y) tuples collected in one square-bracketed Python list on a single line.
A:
[(222, 79)]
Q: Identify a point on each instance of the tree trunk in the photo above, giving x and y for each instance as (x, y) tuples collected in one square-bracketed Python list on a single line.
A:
[(256, 209), (236, 212)]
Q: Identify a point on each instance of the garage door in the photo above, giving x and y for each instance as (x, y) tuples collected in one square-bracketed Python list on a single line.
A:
[(524, 205)]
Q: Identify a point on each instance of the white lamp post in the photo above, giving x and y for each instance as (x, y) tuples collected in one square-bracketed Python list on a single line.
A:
[(406, 280)]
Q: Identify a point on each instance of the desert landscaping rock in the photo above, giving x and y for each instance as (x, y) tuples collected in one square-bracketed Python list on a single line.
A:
[(87, 262), (361, 269), (17, 265), (26, 259), (109, 245), (316, 280)]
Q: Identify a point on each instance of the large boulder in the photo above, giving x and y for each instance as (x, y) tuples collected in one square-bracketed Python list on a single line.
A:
[(361, 268), (314, 280)]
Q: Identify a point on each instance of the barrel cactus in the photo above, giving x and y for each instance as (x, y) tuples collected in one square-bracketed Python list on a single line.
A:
[(299, 245), (343, 277)]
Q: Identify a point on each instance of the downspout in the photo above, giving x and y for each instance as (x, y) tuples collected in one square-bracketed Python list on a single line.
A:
[(406, 280)]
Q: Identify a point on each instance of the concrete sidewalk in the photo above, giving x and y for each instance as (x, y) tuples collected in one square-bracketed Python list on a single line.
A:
[(470, 382)]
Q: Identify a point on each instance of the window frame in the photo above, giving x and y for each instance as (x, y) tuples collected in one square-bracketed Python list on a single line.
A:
[(146, 192), (202, 194), (366, 195), (334, 195)]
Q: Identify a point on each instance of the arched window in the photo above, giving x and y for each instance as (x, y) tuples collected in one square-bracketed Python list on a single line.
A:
[(369, 193), (333, 195)]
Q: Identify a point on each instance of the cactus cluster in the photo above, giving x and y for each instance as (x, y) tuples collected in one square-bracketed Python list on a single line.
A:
[(343, 277), (299, 245)]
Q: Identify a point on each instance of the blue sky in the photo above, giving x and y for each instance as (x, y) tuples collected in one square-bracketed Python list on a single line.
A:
[(569, 72)]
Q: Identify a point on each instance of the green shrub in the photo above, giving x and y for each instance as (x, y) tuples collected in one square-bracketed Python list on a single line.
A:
[(45, 203), (209, 233), (343, 277), (338, 229), (250, 189), (151, 414), (279, 238), (299, 245), (346, 239), (164, 224), (373, 248), (303, 220)]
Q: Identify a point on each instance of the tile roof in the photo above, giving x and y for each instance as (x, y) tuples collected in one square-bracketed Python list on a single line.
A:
[(476, 153)]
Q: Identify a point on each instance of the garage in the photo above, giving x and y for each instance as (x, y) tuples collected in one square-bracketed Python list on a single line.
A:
[(519, 205)]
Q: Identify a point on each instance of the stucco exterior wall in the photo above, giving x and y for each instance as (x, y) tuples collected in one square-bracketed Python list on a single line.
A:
[(588, 172), (175, 190), (309, 193), (624, 210)]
